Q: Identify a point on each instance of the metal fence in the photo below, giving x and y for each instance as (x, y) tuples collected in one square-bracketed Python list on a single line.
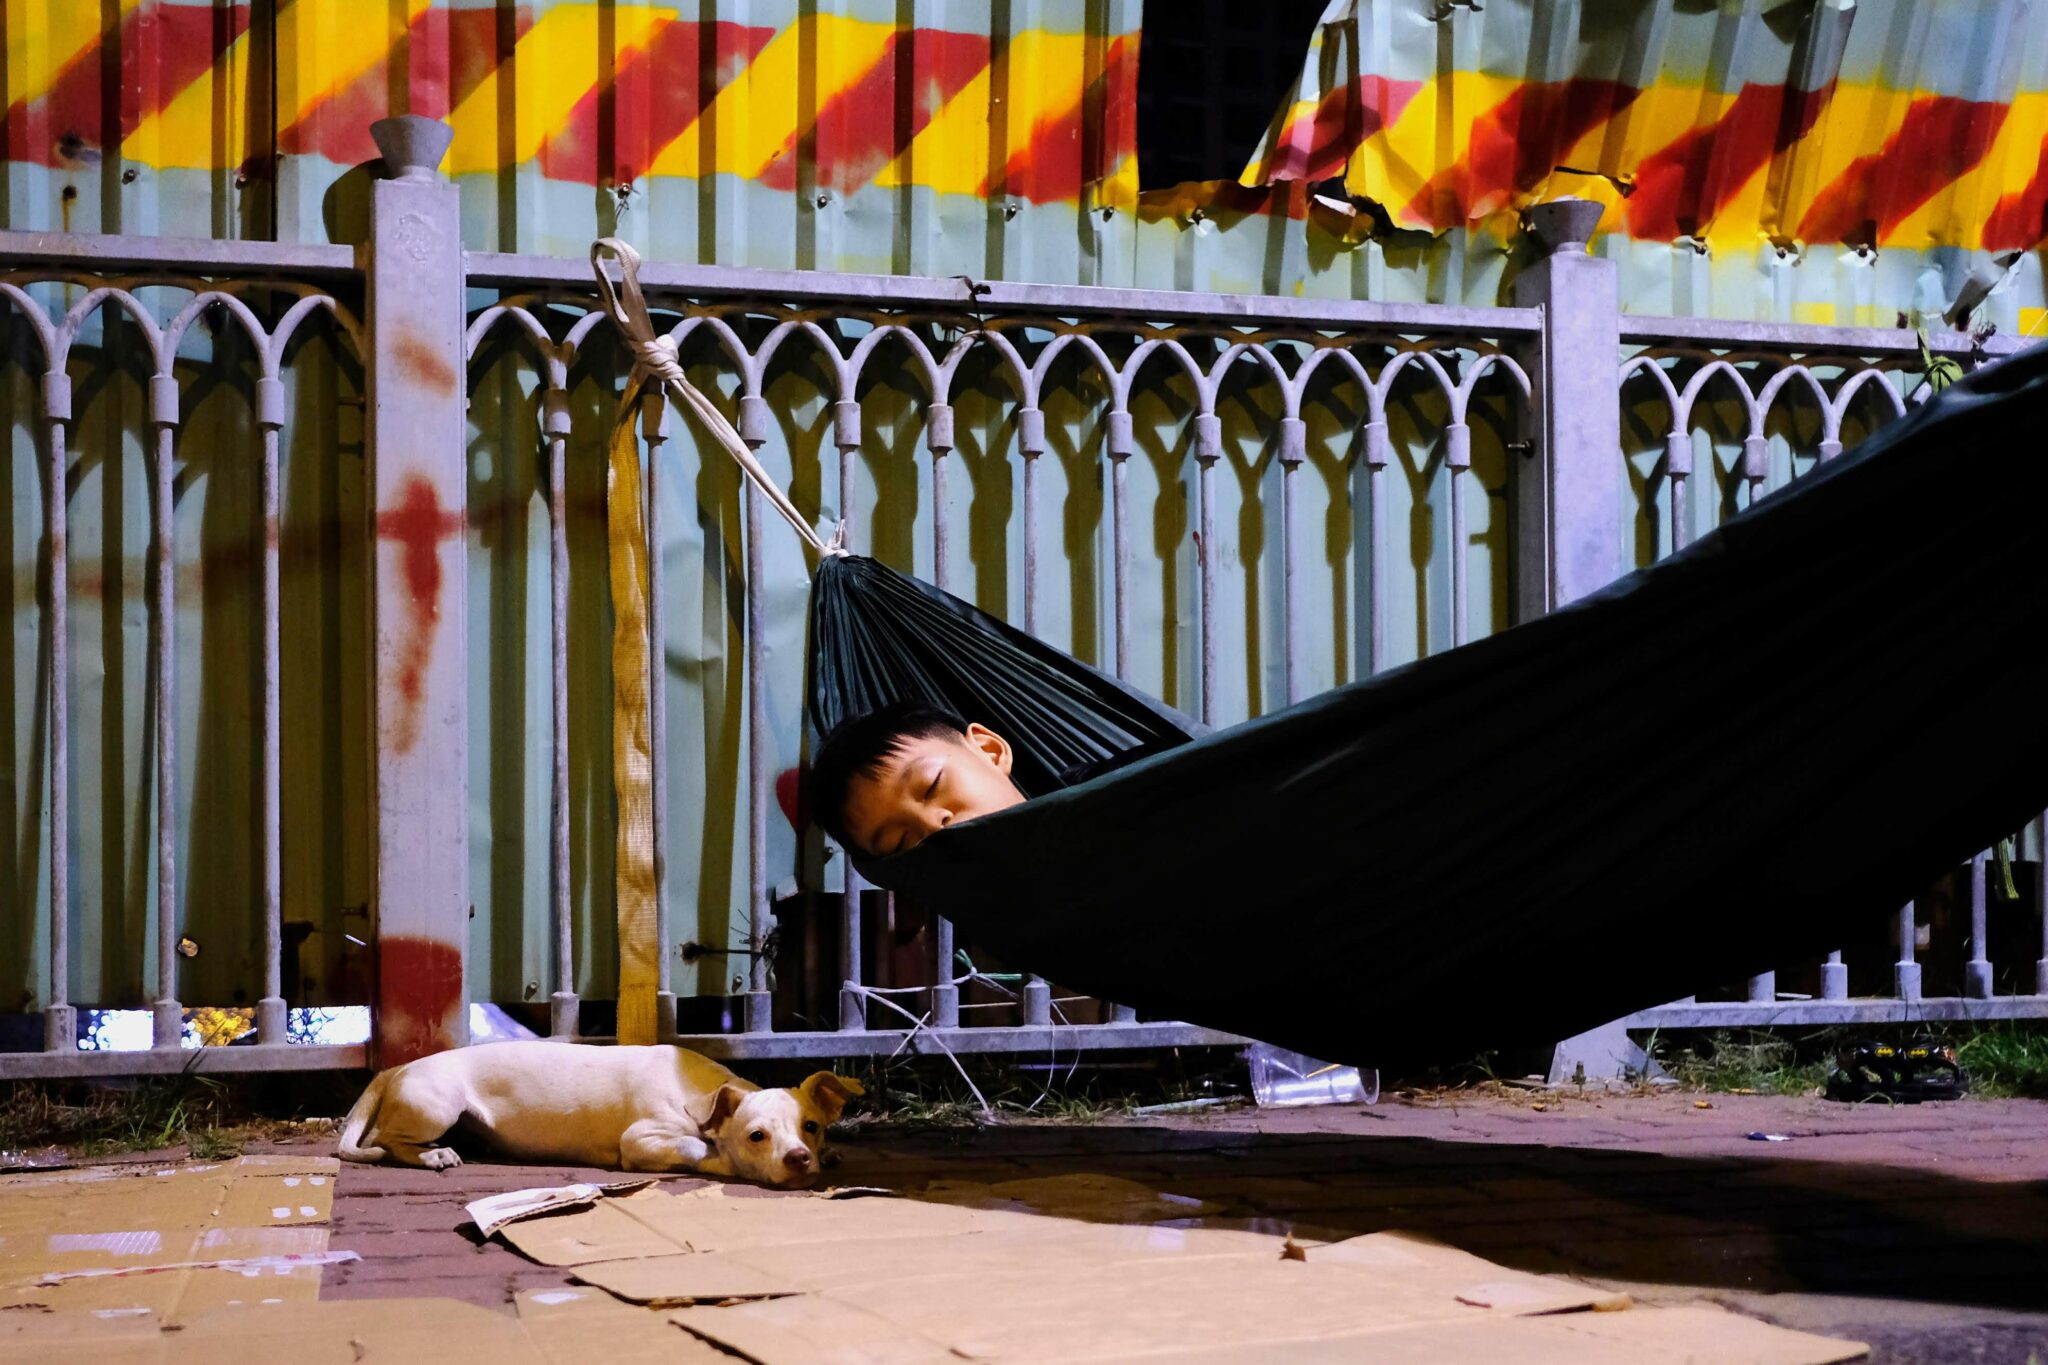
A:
[(1823, 387), (877, 396)]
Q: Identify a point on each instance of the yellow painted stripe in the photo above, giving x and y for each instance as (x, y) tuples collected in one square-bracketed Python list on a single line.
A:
[(554, 66), (952, 150), (1431, 133), (755, 115), (1858, 121), (1295, 125), (1046, 75), (1955, 215), (46, 36), (1435, 130), (187, 133), (324, 46), (1652, 121)]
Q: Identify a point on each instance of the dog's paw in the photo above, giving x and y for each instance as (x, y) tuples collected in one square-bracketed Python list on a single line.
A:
[(440, 1159), (690, 1150)]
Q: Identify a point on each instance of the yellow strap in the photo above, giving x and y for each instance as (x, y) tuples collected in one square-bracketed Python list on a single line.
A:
[(656, 369), (632, 765)]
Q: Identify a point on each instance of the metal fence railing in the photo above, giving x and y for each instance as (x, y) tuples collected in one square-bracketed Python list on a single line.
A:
[(1205, 492), (1814, 386)]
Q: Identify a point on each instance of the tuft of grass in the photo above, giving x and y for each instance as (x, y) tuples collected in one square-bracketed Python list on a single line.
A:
[(930, 1093), (211, 1118), (2003, 1059), (2006, 1059), (1748, 1060)]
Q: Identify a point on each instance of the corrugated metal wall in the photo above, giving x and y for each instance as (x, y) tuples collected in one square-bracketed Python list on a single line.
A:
[(997, 138), (1820, 161)]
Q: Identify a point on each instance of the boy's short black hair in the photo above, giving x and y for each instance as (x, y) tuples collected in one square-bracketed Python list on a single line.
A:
[(858, 748)]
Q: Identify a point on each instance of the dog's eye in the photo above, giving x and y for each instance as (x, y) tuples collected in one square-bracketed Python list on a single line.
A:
[(810, 1125), (757, 1136)]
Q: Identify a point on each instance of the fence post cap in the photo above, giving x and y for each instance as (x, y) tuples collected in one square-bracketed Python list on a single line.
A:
[(1563, 224), (412, 145)]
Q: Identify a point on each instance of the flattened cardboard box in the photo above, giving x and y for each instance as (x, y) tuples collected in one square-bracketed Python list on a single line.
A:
[(1641, 1336), (789, 1280), (363, 1332), (166, 1240)]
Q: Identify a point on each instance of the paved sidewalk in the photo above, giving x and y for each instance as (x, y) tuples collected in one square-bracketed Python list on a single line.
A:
[(1922, 1230)]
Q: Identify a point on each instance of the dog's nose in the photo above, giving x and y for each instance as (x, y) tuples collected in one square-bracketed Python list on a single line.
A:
[(798, 1160)]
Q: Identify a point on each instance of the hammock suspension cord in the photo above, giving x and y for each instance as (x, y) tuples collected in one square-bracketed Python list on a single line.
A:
[(656, 356)]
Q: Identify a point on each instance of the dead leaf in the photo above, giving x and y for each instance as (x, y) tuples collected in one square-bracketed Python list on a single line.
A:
[(1293, 1250), (1701, 1104)]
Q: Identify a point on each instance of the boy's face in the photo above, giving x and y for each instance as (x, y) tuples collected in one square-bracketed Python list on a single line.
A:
[(926, 785)]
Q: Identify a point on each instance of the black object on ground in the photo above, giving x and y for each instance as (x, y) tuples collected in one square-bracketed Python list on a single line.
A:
[(1904, 1074)]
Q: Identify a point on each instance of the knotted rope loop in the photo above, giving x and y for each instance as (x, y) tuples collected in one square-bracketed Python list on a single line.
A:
[(655, 357)]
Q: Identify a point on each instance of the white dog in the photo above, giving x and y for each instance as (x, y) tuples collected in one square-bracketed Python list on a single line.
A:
[(628, 1108)]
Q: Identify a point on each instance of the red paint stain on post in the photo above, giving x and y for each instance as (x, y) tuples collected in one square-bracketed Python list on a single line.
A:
[(424, 363), (419, 997), (418, 523)]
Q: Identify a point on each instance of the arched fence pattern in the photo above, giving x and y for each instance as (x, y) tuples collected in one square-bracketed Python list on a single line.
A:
[(62, 313), (1780, 410), (930, 353), (1234, 502)]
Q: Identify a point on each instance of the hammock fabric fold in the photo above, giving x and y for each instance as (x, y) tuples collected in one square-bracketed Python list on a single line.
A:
[(1718, 765)]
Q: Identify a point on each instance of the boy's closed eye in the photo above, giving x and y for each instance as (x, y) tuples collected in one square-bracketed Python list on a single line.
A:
[(923, 783)]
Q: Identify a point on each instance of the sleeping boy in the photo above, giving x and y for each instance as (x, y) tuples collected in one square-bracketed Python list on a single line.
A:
[(884, 782)]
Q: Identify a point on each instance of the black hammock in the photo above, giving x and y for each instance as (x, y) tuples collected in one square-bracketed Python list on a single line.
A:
[(1716, 765)]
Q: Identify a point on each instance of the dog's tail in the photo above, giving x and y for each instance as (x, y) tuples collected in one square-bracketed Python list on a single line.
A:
[(349, 1146)]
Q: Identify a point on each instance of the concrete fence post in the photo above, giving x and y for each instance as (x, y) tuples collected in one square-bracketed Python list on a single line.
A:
[(413, 276), (1566, 490)]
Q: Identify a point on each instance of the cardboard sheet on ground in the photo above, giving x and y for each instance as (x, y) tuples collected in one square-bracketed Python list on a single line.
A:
[(365, 1332), (787, 1279), (167, 1240), (1641, 1336)]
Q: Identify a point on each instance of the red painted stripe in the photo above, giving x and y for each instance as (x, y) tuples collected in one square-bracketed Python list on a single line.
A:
[(163, 49), (2021, 218), (867, 124), (419, 997), (1682, 186), (1340, 122), (1117, 108), (1940, 138), (653, 98), (449, 53), (1514, 145), (1051, 167)]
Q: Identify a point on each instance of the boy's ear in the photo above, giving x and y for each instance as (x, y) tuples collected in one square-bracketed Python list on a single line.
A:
[(724, 1105), (828, 1093), (993, 746)]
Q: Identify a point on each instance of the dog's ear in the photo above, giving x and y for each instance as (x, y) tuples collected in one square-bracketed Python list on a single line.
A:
[(723, 1106), (828, 1093)]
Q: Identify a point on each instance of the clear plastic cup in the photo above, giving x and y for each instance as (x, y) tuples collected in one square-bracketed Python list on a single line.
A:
[(1281, 1079)]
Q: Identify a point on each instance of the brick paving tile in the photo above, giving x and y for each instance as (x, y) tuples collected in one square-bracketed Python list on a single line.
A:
[(1923, 1230)]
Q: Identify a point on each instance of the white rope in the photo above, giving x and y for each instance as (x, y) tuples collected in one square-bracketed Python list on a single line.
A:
[(656, 356), (922, 1024)]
